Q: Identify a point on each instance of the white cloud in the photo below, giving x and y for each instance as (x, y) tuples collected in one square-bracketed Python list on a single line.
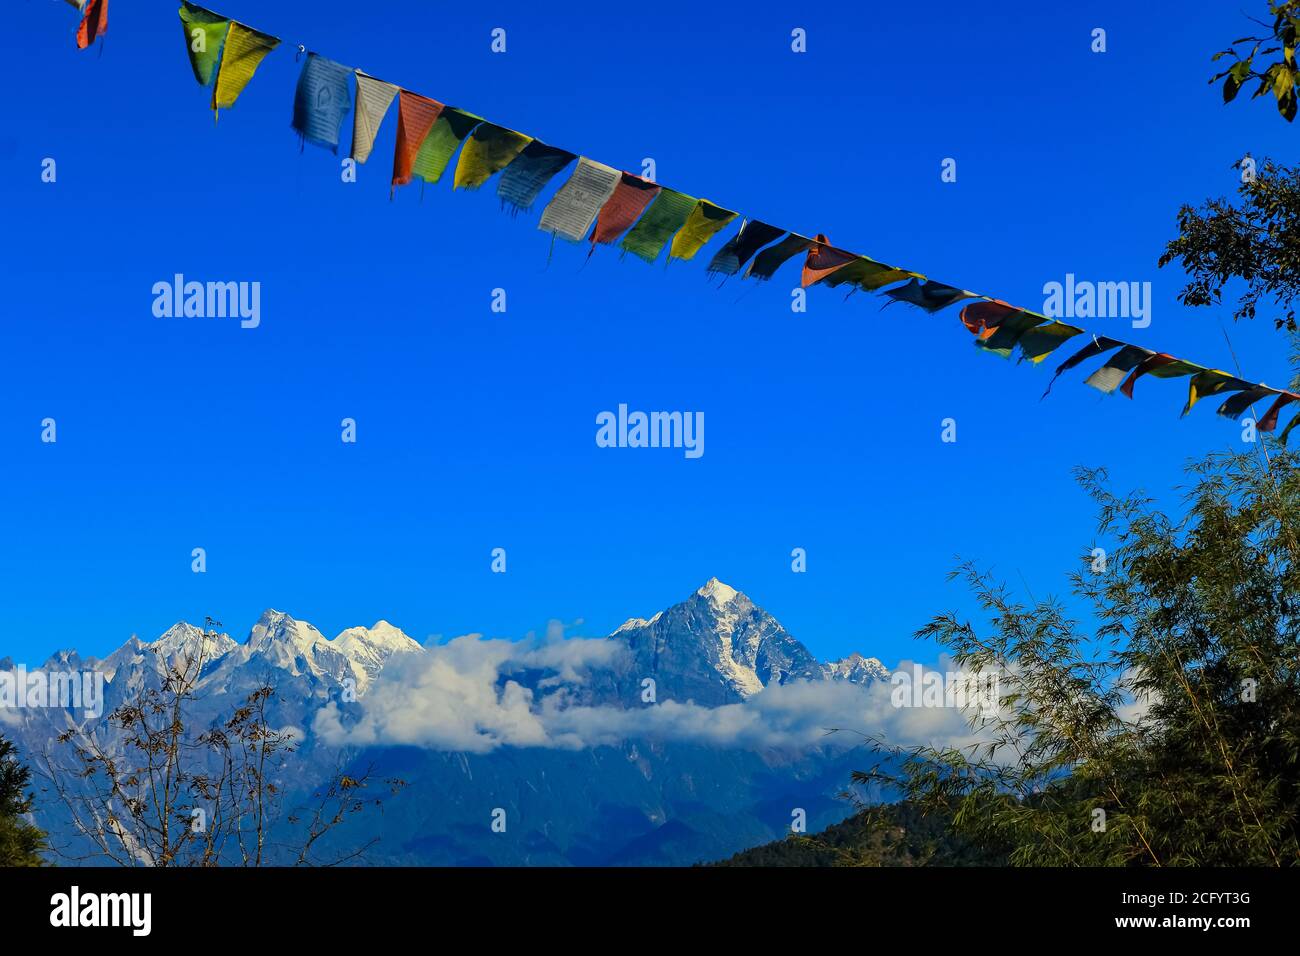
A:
[(463, 696)]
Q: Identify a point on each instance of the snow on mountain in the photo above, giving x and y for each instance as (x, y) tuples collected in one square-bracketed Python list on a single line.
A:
[(130, 654), (715, 647), (634, 622), (720, 594), (183, 640), (856, 669), (735, 663), (278, 633), (370, 648), (280, 641), (68, 660)]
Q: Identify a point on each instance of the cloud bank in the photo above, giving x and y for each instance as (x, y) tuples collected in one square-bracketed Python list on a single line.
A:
[(467, 695)]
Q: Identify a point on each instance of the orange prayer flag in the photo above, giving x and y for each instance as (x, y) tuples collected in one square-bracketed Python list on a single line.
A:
[(823, 259), (416, 115), (94, 23)]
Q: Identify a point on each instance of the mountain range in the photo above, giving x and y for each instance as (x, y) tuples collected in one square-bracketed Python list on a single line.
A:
[(631, 800)]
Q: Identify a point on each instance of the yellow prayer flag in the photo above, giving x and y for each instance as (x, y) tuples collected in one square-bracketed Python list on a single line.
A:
[(244, 51), (701, 225)]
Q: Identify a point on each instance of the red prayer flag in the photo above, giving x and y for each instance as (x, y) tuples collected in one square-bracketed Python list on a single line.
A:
[(1146, 365), (983, 318), (1269, 421), (625, 204)]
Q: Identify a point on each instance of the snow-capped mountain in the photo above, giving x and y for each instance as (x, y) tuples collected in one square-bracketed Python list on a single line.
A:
[(182, 641), (719, 647), (855, 668), (278, 644), (714, 648), (369, 649)]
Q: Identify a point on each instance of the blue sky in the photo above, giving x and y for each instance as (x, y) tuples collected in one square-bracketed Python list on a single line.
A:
[(476, 429)]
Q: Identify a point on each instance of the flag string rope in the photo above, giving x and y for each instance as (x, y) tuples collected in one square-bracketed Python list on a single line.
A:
[(650, 216)]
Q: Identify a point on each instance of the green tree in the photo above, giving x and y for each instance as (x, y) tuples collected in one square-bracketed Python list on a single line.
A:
[(1250, 59), (1167, 731), (21, 844), (1255, 240), (1170, 734)]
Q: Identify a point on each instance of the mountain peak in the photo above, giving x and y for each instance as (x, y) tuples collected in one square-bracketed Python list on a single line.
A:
[(856, 669), (715, 647), (381, 639), (283, 633), (181, 642), (717, 592)]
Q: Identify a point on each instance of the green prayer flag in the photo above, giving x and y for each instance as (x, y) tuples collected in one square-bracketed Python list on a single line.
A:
[(1286, 432), (866, 274), (1042, 340), (1212, 381), (666, 215), (205, 35), (438, 147)]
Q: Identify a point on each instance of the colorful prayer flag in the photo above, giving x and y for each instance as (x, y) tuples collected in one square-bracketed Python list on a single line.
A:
[(705, 221), (1098, 345), (1041, 341), (1002, 338), (625, 204), (822, 260), (205, 35), (321, 101), (489, 150), (574, 208), (774, 257), (1238, 403), (1107, 378), (245, 48), (440, 145), (416, 115), (94, 23), (525, 178), (1269, 421), (741, 247), (931, 296), (866, 274), (1161, 365), (374, 97), (666, 215), (1211, 382)]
